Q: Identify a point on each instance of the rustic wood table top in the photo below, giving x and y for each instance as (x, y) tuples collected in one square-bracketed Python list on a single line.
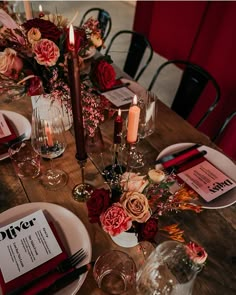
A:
[(215, 230)]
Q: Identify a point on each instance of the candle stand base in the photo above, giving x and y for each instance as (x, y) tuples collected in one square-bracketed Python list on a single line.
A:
[(82, 192)]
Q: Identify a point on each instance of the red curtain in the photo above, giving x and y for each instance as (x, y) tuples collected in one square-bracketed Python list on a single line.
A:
[(202, 32)]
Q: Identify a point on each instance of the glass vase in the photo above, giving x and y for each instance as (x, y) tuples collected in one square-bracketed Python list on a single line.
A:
[(167, 271), (95, 143)]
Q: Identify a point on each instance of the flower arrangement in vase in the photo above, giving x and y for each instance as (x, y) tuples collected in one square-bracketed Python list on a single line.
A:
[(138, 204), (34, 55)]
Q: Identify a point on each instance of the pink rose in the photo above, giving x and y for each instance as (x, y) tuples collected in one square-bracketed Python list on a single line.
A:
[(196, 253), (47, 52), (131, 181), (136, 205), (115, 220)]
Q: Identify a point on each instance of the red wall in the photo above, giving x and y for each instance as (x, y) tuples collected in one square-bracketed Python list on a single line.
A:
[(203, 32)]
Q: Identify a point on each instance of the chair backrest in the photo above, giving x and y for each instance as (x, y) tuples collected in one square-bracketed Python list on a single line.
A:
[(102, 16), (192, 84), (138, 55), (225, 138)]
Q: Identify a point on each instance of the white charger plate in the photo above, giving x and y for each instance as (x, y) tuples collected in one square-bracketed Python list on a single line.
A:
[(22, 125), (71, 230), (219, 160)]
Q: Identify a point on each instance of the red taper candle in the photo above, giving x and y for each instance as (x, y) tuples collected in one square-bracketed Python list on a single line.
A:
[(75, 92), (118, 126)]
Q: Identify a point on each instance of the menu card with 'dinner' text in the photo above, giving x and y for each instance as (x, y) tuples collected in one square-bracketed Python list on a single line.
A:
[(26, 244), (208, 181)]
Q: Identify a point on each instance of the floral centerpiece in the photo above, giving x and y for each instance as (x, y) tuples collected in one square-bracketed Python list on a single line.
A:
[(139, 203), (34, 54)]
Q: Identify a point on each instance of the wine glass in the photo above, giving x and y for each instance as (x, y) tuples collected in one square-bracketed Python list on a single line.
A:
[(48, 140)]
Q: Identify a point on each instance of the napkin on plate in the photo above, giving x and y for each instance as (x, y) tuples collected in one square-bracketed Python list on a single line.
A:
[(180, 159), (12, 129), (38, 271)]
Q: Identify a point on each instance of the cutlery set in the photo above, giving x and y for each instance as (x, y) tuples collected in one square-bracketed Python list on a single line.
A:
[(66, 267)]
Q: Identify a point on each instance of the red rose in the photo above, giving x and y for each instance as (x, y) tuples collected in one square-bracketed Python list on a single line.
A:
[(35, 86), (47, 29), (148, 230), (103, 75), (98, 203)]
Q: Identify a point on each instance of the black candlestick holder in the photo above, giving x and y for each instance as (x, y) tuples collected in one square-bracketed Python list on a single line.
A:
[(82, 191)]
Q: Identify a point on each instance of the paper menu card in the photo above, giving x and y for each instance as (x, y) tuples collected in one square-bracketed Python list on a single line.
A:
[(208, 181), (120, 96), (4, 129), (26, 244)]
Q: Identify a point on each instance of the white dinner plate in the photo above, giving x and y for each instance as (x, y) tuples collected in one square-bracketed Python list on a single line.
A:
[(72, 232), (219, 160), (22, 125)]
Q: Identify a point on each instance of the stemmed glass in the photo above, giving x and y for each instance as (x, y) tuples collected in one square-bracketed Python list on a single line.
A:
[(48, 140)]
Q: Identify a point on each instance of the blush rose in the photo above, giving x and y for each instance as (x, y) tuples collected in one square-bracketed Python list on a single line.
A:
[(10, 64), (136, 206), (115, 220), (47, 52), (131, 181)]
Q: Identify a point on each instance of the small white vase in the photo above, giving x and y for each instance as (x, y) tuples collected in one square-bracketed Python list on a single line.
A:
[(126, 239), (66, 113)]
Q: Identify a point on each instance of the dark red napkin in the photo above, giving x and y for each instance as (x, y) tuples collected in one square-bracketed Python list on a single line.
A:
[(13, 130), (38, 271), (180, 159)]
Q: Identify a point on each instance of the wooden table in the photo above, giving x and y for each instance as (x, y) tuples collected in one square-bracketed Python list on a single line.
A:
[(215, 230)]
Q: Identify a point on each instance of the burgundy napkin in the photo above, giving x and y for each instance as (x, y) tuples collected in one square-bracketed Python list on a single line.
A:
[(38, 271), (180, 159), (13, 130)]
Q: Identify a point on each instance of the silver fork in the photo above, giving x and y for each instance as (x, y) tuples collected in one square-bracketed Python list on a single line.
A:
[(62, 267)]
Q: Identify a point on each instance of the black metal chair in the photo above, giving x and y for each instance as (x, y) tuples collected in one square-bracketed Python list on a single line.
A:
[(224, 126), (136, 57), (104, 19), (192, 84)]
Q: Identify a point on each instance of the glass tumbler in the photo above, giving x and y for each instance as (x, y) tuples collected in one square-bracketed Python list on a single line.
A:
[(115, 272), (25, 160)]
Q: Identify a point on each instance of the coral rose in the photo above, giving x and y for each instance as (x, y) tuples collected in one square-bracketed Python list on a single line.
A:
[(196, 253), (136, 206), (131, 181), (47, 52), (115, 220), (10, 64), (97, 203)]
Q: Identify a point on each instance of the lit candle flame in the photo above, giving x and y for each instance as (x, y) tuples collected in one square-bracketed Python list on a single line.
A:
[(40, 8), (135, 100), (71, 36), (119, 112)]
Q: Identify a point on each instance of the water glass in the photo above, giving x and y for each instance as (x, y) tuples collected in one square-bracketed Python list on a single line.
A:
[(115, 272), (25, 160), (147, 119)]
